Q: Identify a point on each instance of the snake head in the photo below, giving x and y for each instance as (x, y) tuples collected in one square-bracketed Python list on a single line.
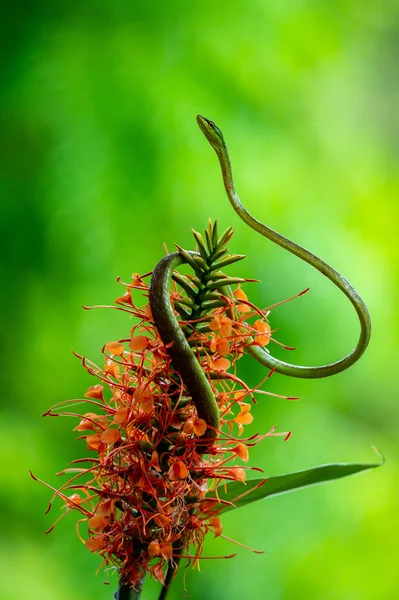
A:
[(212, 132)]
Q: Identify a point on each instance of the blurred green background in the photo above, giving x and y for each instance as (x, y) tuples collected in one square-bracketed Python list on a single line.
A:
[(103, 162)]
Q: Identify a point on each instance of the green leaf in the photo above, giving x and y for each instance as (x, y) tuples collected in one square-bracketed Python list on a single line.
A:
[(239, 494)]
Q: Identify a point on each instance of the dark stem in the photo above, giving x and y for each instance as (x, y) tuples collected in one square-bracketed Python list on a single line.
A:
[(169, 577), (125, 592)]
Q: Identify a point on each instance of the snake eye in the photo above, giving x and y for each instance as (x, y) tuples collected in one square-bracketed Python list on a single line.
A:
[(211, 124)]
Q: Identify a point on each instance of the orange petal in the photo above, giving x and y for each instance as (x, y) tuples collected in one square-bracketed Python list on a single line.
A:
[(166, 550), (264, 328), (154, 548), (95, 543), (162, 520), (241, 451), (238, 474), (223, 347), (158, 573), (215, 323), (93, 441), (106, 508), (111, 368), (155, 460), (178, 470), (243, 308), (109, 436), (121, 415), (214, 343), (244, 418), (200, 427), (114, 348), (148, 404), (139, 342), (95, 391), (240, 294), (86, 422), (215, 522), (226, 326), (221, 364), (189, 425), (98, 522), (73, 500)]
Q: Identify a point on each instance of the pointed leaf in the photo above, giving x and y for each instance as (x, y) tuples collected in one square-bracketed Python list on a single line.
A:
[(240, 494)]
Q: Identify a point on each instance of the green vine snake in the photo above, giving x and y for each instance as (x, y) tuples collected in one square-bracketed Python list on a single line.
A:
[(184, 360)]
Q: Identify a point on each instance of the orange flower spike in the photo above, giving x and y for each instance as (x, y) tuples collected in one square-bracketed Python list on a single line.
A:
[(115, 348), (264, 328), (241, 295)]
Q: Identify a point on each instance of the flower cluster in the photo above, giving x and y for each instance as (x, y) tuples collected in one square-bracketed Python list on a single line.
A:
[(147, 493)]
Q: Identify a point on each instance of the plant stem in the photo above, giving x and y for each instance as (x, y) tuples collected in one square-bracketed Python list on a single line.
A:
[(125, 592), (169, 577)]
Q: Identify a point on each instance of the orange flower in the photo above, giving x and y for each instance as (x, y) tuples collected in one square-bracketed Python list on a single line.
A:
[(110, 436), (222, 324), (97, 522), (178, 470), (241, 295), (196, 425), (114, 348), (264, 328), (217, 526), (220, 345), (145, 492)]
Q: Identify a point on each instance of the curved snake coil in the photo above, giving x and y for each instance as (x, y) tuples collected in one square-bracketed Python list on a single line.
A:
[(184, 360)]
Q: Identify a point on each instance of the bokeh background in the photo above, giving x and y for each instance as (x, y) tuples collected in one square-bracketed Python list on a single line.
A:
[(103, 162)]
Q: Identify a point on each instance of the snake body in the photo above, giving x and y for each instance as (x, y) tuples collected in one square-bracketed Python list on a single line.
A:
[(183, 358), (215, 138)]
